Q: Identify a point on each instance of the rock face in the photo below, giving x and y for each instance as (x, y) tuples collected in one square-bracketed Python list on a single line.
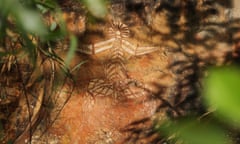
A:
[(116, 87), (144, 60), (120, 90)]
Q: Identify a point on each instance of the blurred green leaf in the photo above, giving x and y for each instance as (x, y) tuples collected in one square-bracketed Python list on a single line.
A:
[(222, 92), (31, 22), (98, 8), (2, 28), (27, 19), (6, 6), (30, 48), (47, 3), (42, 9), (190, 131), (53, 26), (71, 51)]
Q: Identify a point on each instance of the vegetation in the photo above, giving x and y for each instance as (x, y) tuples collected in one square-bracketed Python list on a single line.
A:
[(31, 71)]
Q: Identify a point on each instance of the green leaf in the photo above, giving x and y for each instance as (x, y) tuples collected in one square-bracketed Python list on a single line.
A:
[(30, 21), (98, 8), (30, 49), (71, 51), (53, 26), (42, 9), (190, 131), (222, 92), (27, 19), (6, 6), (47, 3)]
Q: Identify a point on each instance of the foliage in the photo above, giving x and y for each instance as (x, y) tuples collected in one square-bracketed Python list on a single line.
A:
[(96, 7), (190, 131), (27, 19), (221, 97), (222, 93), (28, 38), (23, 19)]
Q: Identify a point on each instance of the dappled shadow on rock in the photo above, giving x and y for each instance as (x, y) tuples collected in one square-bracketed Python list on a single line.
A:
[(192, 47)]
